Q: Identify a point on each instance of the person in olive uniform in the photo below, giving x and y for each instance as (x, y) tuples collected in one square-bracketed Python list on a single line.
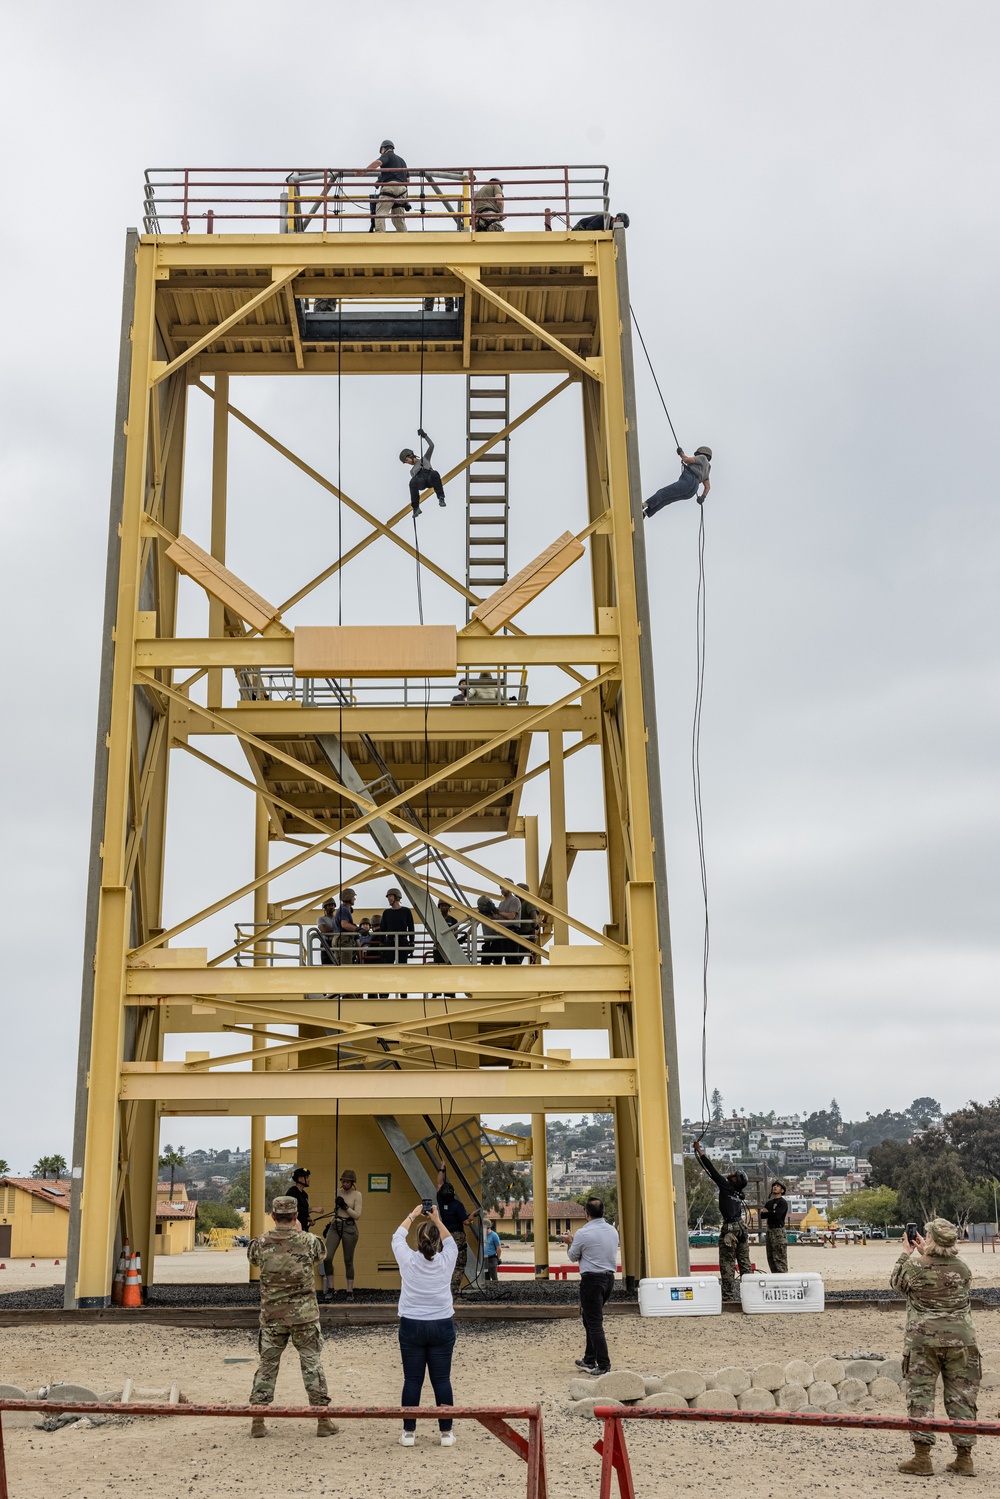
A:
[(734, 1241), (773, 1215)]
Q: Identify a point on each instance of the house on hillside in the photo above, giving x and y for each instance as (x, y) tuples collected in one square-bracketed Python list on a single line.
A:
[(564, 1218), (175, 1223), (34, 1218)]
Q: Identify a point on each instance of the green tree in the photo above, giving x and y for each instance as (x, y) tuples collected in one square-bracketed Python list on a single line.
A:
[(927, 1176), (716, 1106), (4, 1168), (503, 1185), (171, 1160), (975, 1133), (608, 1193), (875, 1205), (49, 1165), (217, 1215), (238, 1194), (702, 1196)]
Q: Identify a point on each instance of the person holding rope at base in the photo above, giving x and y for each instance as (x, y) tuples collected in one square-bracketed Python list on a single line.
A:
[(694, 475), (734, 1241)]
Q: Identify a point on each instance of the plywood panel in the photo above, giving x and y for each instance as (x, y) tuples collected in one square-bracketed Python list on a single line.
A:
[(376, 651), (500, 607), (222, 584)]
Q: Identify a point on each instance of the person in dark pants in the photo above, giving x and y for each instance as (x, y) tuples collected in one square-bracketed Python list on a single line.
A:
[(426, 1315), (594, 1247), (603, 221), (396, 928), (694, 475), (422, 476), (300, 1191), (773, 1215), (456, 1218), (734, 1241)]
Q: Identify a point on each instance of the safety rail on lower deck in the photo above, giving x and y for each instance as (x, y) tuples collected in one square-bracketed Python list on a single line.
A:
[(477, 688), (614, 1454), (295, 200), (495, 1418)]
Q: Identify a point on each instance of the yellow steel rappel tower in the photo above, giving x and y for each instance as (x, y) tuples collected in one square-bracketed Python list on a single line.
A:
[(350, 740)]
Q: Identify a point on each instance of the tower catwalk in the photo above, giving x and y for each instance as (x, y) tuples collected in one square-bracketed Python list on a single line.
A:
[(350, 741)]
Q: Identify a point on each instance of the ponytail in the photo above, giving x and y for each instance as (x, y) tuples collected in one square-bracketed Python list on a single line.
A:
[(429, 1240)]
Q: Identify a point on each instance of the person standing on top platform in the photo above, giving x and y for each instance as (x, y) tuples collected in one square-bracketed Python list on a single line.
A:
[(773, 1215), (734, 1240), (422, 476), (487, 207), (392, 180), (694, 474), (397, 928)]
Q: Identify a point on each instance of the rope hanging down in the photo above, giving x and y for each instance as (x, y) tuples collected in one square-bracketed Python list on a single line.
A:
[(695, 745)]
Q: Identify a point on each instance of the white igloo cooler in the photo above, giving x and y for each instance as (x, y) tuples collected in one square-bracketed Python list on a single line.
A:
[(799, 1292), (680, 1296)]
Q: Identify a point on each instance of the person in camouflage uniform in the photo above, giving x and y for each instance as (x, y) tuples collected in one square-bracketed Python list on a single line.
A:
[(939, 1340), (288, 1309), (773, 1215), (734, 1241)]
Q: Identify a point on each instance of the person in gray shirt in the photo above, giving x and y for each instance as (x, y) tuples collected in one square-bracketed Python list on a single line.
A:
[(694, 474), (594, 1247)]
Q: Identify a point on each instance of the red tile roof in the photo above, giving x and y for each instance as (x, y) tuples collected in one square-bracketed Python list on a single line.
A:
[(527, 1212), (176, 1209), (50, 1191)]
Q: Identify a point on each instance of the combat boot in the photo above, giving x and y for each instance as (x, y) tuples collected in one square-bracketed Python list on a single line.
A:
[(962, 1463), (326, 1427), (257, 1427), (920, 1463)]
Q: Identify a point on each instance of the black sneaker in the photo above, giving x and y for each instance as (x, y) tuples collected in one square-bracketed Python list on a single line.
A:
[(442, 503), (597, 1370), (585, 1363)]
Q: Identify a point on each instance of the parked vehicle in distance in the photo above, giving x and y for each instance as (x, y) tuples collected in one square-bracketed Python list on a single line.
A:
[(876, 1233)]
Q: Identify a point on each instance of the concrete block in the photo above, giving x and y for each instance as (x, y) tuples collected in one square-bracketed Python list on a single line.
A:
[(665, 1400), (686, 1382), (620, 1384), (850, 1391), (791, 1397), (829, 1369), (822, 1392), (585, 1408), (581, 1389), (74, 1392), (862, 1368), (768, 1377), (756, 1400), (733, 1378), (797, 1371), (890, 1368), (12, 1419), (885, 1392), (715, 1400)]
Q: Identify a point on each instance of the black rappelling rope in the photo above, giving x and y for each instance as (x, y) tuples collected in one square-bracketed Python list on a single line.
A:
[(695, 746)]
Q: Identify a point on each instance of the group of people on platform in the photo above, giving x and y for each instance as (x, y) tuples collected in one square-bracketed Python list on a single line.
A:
[(389, 936)]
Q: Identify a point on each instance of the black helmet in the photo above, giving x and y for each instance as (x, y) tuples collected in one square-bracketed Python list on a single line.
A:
[(447, 1192), (387, 146), (406, 453), (739, 1178), (623, 219), (299, 1173)]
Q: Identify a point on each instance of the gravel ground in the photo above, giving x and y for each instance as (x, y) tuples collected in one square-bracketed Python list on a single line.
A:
[(529, 1362)]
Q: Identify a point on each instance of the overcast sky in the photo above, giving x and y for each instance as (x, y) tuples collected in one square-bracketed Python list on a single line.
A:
[(813, 258)]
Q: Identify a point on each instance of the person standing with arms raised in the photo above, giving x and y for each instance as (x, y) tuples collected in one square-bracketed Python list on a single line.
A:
[(426, 1315)]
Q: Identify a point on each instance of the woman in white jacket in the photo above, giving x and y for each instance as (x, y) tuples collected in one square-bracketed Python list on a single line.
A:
[(426, 1315)]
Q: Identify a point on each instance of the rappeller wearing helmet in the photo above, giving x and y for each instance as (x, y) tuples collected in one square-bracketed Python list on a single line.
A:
[(733, 1240), (422, 476), (694, 475)]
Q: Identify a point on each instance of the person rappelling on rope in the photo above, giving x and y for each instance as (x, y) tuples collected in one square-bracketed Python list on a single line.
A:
[(422, 476), (733, 1239), (694, 476)]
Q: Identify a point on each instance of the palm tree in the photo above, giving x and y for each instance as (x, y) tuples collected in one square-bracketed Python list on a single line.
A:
[(49, 1165), (173, 1159), (4, 1167)]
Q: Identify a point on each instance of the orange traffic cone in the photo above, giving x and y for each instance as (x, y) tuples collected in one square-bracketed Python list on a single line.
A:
[(55, 1262), (118, 1284), (132, 1294), (3, 1267), (32, 1266)]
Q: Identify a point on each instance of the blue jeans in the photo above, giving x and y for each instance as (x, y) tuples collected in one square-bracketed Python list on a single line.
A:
[(426, 1347), (682, 489)]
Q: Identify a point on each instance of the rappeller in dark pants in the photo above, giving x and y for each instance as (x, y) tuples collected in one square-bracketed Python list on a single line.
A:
[(694, 476), (772, 1217), (733, 1238)]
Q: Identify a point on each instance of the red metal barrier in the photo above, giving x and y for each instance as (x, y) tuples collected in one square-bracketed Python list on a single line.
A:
[(495, 1418), (614, 1454)]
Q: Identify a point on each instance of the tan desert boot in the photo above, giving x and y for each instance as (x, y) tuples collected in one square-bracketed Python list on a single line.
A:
[(257, 1427), (920, 1463), (962, 1463), (325, 1427)]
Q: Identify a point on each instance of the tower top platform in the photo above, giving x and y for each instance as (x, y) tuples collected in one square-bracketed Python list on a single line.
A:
[(454, 299)]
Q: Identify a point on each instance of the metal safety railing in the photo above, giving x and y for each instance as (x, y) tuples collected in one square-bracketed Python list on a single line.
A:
[(495, 1418), (293, 201), (479, 944), (614, 1454), (482, 688)]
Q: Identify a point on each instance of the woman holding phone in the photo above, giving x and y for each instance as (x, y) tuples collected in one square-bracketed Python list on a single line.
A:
[(426, 1313)]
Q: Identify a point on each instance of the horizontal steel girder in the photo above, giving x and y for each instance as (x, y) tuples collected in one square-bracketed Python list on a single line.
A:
[(480, 650), (608, 978)]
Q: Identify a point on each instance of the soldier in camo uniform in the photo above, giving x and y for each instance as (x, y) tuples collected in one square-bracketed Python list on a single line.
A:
[(773, 1216), (286, 1257), (940, 1340)]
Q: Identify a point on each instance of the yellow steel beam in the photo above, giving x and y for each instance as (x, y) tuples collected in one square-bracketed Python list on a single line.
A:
[(271, 252), (609, 976), (244, 651), (473, 283), (160, 371)]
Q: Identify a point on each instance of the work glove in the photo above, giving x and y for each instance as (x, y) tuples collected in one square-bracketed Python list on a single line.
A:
[(680, 452)]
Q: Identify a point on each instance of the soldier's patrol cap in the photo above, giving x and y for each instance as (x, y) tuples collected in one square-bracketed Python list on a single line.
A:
[(284, 1207)]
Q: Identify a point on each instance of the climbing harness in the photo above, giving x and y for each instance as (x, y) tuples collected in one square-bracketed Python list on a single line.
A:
[(700, 620)]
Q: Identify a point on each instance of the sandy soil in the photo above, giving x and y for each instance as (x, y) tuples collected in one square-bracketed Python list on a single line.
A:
[(175, 1457)]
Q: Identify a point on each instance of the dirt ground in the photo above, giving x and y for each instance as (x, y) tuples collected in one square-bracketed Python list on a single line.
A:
[(175, 1457)]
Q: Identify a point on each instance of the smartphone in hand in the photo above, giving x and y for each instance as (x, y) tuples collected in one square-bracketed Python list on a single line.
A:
[(911, 1232)]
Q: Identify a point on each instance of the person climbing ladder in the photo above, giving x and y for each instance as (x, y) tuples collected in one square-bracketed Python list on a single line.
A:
[(422, 476), (694, 474)]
